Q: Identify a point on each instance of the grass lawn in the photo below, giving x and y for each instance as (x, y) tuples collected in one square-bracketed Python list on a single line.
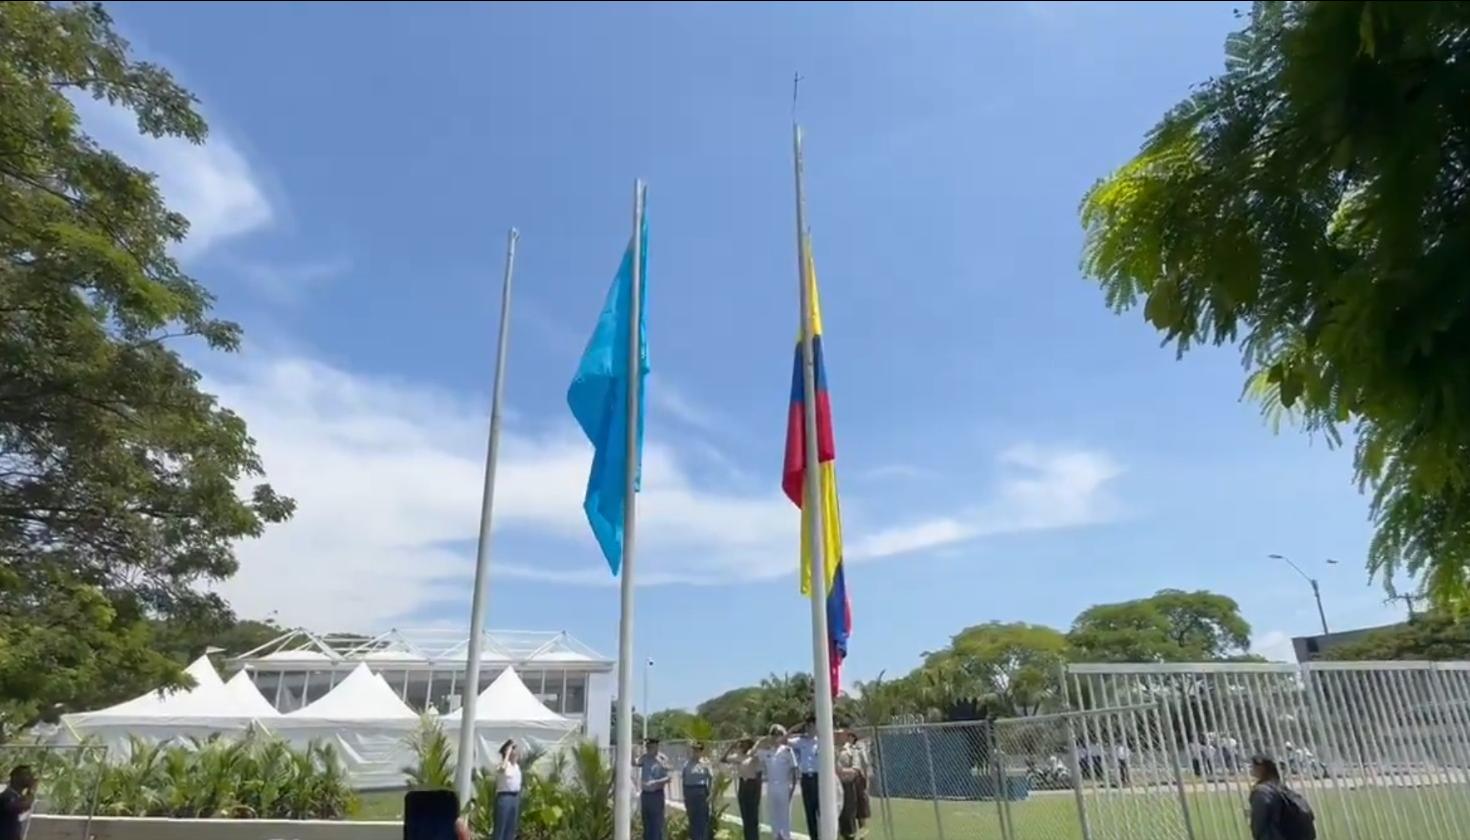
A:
[(379, 805), (1427, 814), (1377, 814)]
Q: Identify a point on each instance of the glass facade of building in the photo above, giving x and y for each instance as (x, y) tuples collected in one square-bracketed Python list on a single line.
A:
[(563, 691), (426, 669)]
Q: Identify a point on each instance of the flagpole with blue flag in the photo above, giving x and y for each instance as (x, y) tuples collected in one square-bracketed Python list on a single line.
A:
[(606, 397)]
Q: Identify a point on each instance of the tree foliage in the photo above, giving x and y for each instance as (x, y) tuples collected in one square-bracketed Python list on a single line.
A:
[(185, 640), (1434, 637), (997, 670), (990, 670), (1312, 205), (1169, 626), (733, 713), (677, 725), (118, 475)]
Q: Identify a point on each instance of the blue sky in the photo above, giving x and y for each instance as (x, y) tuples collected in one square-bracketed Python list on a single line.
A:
[(1009, 449)]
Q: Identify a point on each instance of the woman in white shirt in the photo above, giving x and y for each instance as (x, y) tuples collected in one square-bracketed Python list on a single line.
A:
[(507, 793)]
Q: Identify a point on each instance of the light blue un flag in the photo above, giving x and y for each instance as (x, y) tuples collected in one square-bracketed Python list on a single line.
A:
[(599, 400)]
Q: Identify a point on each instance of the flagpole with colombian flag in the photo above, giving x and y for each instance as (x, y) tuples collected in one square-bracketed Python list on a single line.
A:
[(809, 478)]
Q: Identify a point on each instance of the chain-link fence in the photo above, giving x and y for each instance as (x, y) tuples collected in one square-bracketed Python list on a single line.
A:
[(68, 778)]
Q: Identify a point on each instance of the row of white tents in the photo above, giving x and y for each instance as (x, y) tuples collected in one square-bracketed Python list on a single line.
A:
[(364, 718)]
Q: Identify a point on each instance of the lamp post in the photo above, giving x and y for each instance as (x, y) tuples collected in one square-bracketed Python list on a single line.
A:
[(1316, 589), (646, 666)]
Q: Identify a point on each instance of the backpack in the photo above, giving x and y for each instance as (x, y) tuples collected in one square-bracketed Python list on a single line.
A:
[(1297, 820)]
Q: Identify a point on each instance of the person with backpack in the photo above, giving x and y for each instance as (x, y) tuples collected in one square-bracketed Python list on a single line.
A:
[(1276, 811)]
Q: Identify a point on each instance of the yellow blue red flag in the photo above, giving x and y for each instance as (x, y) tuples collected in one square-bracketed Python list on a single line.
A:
[(793, 481)]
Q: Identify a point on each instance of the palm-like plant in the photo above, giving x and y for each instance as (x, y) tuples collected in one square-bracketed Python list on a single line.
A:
[(332, 797), (434, 767), (257, 777), (133, 788), (589, 812)]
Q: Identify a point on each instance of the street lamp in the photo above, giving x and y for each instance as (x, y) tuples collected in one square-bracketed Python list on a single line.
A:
[(1316, 590), (646, 666)]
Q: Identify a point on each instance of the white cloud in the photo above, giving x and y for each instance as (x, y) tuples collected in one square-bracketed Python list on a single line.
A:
[(289, 284), (387, 477), (1275, 646), (902, 472), (212, 184), (1040, 489), (675, 403)]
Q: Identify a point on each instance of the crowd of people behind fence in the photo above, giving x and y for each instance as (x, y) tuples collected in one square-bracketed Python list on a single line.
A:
[(769, 768)]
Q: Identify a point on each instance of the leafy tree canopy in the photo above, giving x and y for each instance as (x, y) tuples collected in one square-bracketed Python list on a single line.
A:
[(1169, 626), (994, 669), (678, 725), (119, 478), (1436, 636), (1004, 670), (733, 713), (1312, 205)]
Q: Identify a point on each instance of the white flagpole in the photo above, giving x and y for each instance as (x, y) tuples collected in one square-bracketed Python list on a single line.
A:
[(470, 690), (623, 756), (821, 657)]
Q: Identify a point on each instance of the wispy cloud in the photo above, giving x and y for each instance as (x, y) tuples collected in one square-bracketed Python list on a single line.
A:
[(387, 476), (896, 472), (673, 402), (289, 284), (211, 184), (1040, 489)]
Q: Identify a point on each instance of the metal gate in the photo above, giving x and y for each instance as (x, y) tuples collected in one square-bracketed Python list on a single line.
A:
[(1102, 774), (1380, 749)]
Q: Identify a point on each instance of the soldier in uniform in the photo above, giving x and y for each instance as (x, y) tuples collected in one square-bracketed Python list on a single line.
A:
[(697, 779), (746, 761), (653, 778)]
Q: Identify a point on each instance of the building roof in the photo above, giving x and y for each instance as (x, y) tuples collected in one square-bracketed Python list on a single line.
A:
[(439, 648)]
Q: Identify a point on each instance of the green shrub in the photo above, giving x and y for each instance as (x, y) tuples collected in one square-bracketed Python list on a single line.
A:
[(258, 776), (434, 765)]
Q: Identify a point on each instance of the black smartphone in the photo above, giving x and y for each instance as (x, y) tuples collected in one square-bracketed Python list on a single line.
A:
[(430, 814)]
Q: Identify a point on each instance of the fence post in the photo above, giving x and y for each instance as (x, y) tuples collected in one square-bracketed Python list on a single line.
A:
[(885, 809), (1076, 767), (1002, 797), (1166, 733), (96, 796), (933, 790)]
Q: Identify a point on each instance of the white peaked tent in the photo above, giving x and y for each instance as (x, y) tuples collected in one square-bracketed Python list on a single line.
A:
[(245, 696), (367, 723), (505, 710), (361, 695), (206, 709)]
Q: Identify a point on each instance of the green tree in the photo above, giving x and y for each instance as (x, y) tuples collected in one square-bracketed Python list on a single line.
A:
[(1169, 626), (1005, 670), (732, 714), (64, 645), (1310, 205), (674, 725), (185, 640), (118, 475), (1435, 636)]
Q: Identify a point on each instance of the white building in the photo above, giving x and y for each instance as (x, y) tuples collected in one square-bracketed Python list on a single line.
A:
[(426, 668)]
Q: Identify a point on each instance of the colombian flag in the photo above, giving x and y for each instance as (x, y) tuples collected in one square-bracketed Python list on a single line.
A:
[(839, 611)]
